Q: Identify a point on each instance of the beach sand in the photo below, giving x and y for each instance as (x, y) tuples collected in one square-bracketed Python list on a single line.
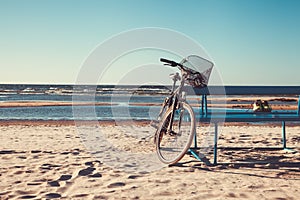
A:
[(48, 160)]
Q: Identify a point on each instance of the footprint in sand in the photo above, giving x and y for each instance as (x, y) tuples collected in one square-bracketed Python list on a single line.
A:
[(89, 172), (7, 151), (52, 196), (116, 184), (47, 166), (86, 171), (22, 157), (33, 184), (96, 175), (133, 176), (54, 183), (36, 151), (28, 197), (65, 177), (90, 163)]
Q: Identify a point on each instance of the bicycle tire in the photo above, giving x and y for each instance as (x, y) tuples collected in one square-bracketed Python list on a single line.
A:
[(171, 147)]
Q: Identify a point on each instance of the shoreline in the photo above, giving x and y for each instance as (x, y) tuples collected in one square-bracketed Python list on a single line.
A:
[(30, 104), (72, 122)]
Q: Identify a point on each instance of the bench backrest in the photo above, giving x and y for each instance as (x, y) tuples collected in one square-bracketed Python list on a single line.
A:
[(245, 90)]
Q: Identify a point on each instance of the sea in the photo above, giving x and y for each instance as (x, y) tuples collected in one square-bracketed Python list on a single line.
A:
[(108, 102), (102, 102)]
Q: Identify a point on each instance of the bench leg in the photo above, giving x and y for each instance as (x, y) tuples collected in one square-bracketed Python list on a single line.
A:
[(195, 140), (202, 105), (205, 104), (283, 135), (216, 144), (193, 151), (298, 111)]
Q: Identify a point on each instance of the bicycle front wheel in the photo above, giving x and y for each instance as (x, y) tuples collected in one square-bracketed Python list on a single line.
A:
[(171, 145)]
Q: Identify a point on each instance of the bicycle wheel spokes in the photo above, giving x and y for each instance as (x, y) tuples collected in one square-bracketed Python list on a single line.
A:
[(173, 144)]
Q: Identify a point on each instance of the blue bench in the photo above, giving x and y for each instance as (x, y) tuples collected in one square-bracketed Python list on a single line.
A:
[(217, 117)]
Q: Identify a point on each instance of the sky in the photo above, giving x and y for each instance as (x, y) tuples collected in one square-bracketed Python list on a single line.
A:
[(251, 42)]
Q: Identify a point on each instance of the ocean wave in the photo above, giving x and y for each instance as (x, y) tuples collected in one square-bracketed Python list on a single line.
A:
[(83, 89)]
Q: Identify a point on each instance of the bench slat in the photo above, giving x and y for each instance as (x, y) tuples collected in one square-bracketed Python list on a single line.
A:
[(249, 118), (244, 90)]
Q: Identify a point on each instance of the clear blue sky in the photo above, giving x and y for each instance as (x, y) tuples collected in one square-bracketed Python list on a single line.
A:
[(252, 42)]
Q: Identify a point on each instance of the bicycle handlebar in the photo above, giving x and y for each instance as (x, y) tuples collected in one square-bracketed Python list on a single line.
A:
[(170, 62)]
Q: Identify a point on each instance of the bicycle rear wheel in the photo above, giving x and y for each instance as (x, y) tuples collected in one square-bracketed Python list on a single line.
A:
[(172, 145)]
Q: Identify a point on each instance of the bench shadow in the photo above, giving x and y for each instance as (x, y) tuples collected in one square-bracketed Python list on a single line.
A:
[(279, 164)]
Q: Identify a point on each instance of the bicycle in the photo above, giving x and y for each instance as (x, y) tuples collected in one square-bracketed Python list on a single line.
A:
[(176, 119)]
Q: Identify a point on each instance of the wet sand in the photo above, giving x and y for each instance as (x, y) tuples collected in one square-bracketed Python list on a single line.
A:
[(230, 102)]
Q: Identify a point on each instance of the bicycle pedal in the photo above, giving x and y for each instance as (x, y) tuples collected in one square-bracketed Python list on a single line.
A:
[(172, 133)]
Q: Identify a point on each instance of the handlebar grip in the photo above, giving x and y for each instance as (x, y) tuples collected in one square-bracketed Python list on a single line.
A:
[(170, 62)]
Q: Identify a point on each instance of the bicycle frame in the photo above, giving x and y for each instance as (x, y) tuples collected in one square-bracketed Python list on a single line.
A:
[(173, 100)]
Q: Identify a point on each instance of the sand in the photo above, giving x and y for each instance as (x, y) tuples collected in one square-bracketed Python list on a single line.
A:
[(48, 160)]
